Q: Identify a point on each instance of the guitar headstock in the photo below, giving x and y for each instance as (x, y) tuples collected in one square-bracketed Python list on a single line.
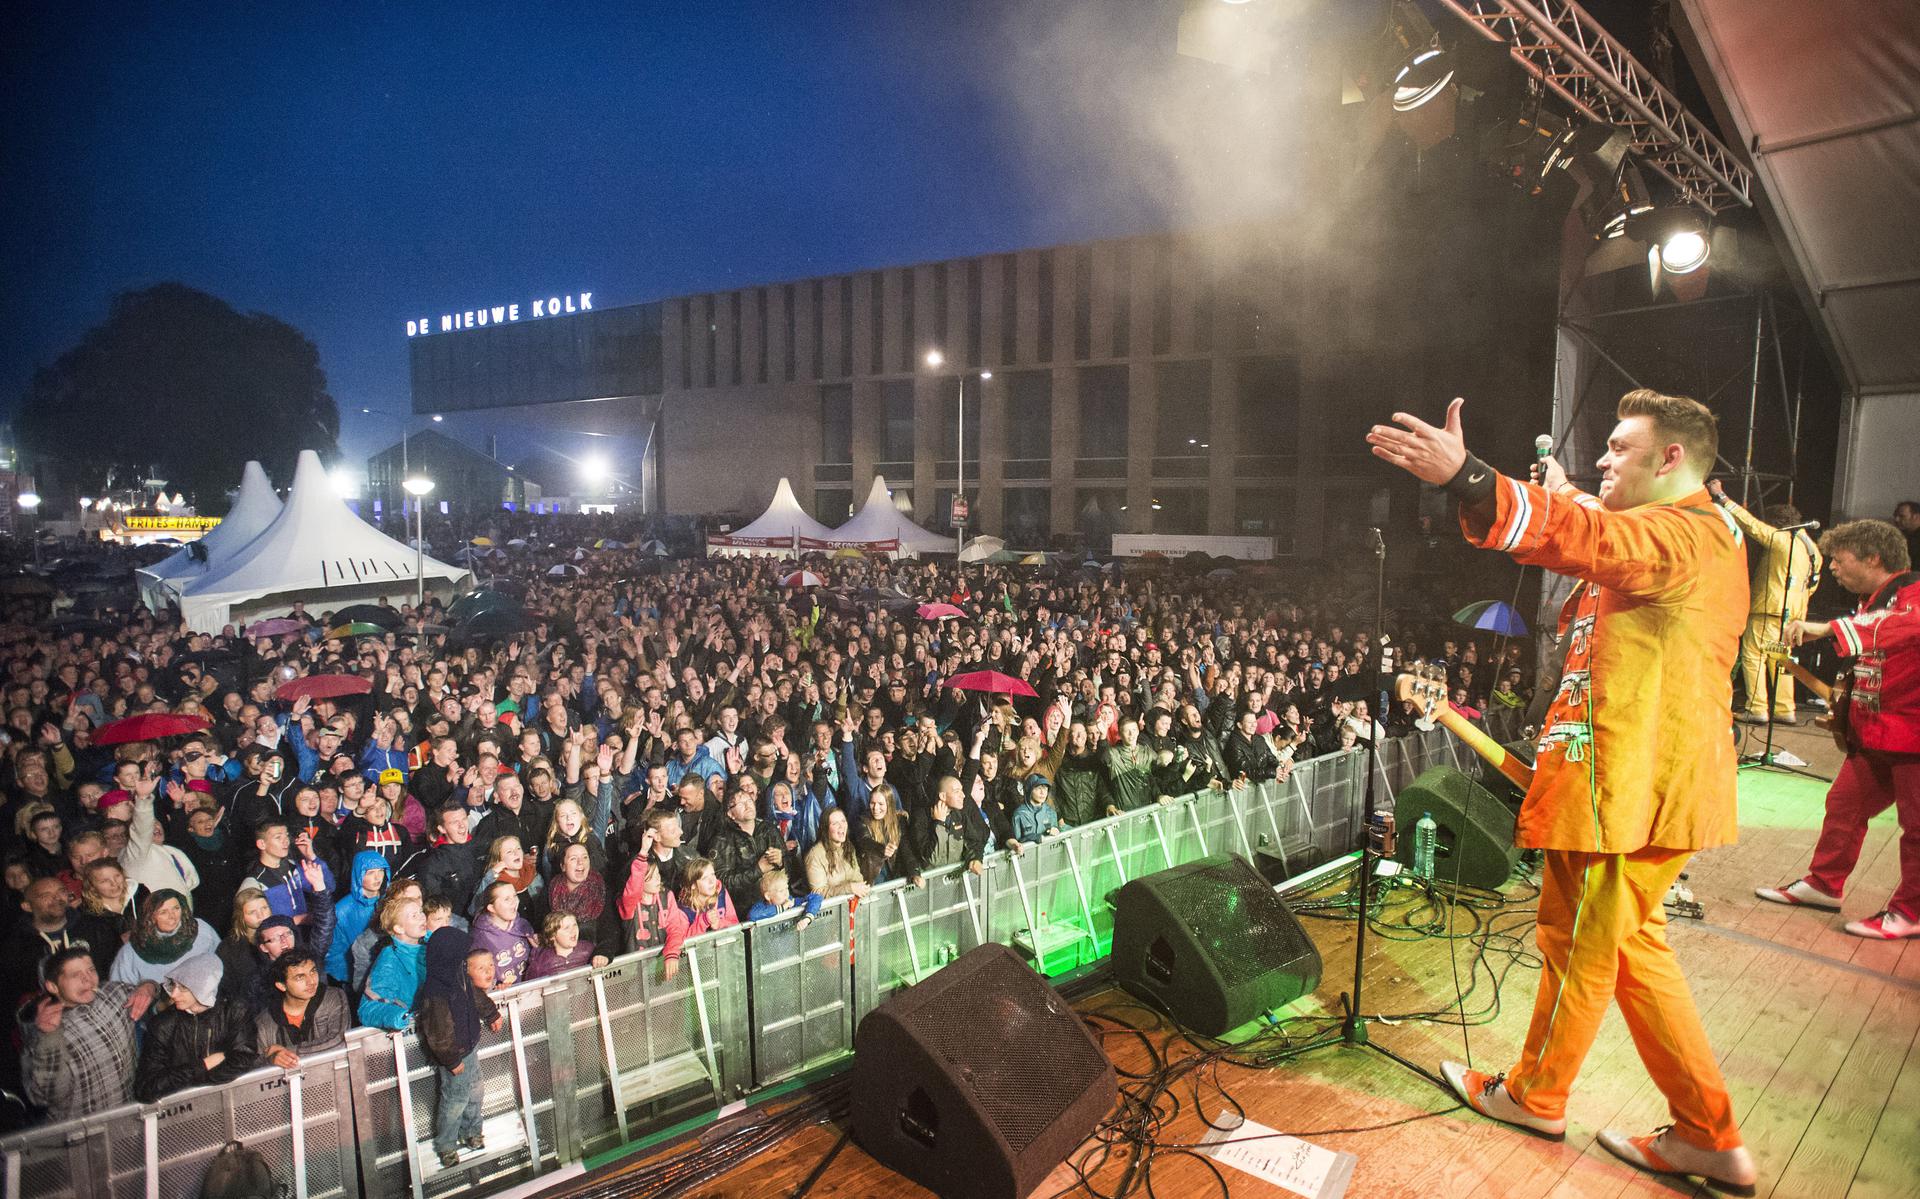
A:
[(1425, 687)]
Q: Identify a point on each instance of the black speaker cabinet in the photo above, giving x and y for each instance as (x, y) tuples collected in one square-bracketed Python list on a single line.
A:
[(1211, 943), (980, 1080), (1475, 834)]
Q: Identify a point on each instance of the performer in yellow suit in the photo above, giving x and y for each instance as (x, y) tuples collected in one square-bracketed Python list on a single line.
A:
[(1635, 765), (1786, 571)]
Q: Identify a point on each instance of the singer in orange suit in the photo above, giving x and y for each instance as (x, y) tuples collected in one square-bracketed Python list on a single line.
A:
[(1635, 765)]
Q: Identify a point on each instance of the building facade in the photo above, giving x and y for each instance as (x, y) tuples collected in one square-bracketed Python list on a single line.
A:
[(1217, 384), (465, 481)]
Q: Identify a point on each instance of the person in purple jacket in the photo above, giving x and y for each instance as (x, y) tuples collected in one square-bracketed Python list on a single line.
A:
[(500, 929), (561, 948)]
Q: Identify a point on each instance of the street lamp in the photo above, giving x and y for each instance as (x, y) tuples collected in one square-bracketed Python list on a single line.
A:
[(934, 359), (418, 489), (30, 504), (405, 421)]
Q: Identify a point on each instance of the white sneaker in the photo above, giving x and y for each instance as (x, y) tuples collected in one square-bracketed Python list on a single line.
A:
[(1887, 926), (1800, 894), (1730, 1170)]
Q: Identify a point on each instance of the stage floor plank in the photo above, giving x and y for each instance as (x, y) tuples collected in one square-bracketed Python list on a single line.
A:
[(1815, 1031)]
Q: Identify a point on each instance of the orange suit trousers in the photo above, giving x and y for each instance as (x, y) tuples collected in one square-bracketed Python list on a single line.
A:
[(1602, 935)]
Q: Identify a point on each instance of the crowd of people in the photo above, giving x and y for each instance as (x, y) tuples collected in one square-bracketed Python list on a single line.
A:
[(672, 746)]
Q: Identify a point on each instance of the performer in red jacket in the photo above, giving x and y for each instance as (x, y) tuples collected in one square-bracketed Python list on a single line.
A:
[(1880, 717)]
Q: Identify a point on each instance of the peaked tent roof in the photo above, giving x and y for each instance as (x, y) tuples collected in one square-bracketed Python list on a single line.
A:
[(253, 510), (315, 545), (879, 520), (783, 518)]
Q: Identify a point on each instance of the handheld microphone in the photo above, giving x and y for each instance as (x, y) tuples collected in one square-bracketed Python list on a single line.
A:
[(1542, 446)]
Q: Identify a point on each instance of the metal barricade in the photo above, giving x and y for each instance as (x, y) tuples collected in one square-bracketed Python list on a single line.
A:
[(668, 1049), (802, 992), (298, 1120), (902, 933)]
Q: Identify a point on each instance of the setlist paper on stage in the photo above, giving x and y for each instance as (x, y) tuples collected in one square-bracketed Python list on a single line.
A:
[(1287, 1162)]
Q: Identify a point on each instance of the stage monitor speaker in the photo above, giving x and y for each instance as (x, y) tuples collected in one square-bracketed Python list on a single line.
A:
[(1475, 837), (978, 1081), (1211, 943)]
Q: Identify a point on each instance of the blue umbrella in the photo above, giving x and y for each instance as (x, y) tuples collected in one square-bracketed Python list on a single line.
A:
[(1493, 616)]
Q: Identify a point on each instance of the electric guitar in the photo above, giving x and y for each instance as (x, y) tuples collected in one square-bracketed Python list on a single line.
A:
[(1836, 696), (1426, 689)]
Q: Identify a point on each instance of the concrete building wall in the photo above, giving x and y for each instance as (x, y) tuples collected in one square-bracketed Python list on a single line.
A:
[(1151, 300)]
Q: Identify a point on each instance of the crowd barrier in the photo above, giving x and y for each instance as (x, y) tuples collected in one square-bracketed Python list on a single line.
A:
[(596, 1059)]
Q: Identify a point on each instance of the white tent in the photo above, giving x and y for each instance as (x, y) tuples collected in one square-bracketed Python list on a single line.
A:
[(778, 530), (878, 521), (253, 510), (316, 550)]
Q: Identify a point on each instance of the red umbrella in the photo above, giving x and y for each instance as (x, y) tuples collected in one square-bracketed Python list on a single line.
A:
[(992, 682), (940, 612), (150, 727), (802, 578), (323, 686)]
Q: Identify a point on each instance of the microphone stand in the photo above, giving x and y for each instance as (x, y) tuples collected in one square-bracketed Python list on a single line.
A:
[(1353, 1031)]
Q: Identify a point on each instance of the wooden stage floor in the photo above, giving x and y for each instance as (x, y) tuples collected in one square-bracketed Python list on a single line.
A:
[(1815, 1031)]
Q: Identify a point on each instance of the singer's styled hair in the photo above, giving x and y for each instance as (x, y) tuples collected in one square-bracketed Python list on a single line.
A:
[(1677, 419), (1869, 539), (1781, 515)]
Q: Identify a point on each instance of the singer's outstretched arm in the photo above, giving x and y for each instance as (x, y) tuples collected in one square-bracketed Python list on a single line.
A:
[(1651, 552)]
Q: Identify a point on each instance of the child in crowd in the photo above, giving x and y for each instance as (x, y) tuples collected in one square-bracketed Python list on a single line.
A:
[(776, 897), (1036, 818), (450, 1011), (561, 949)]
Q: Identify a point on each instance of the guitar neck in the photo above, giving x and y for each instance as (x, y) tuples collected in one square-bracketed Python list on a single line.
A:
[(1518, 772), (1807, 678)]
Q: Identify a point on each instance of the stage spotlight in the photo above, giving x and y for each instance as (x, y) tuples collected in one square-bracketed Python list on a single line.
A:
[(1627, 199), (1684, 252), (1421, 78), (1583, 163), (1677, 237)]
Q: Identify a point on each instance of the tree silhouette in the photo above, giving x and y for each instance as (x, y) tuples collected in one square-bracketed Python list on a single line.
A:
[(177, 381)]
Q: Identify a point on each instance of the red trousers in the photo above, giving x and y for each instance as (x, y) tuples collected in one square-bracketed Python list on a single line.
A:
[(1867, 785), (1603, 939)]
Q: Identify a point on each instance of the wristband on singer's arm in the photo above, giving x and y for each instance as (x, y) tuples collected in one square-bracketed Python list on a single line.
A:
[(1473, 483)]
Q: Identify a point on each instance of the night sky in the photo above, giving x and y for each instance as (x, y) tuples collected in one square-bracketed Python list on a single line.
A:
[(343, 167)]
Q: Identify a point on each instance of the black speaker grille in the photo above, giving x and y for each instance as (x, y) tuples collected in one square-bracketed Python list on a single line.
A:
[(1001, 1040), (1235, 917)]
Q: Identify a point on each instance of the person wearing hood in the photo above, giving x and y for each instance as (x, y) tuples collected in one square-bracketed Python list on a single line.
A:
[(395, 978), (166, 933), (450, 1010), (367, 881), (303, 1016), (202, 1039)]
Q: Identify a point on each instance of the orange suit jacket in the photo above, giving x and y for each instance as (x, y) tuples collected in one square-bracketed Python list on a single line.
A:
[(1637, 749)]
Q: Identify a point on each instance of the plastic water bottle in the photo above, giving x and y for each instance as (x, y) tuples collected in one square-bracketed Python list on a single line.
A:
[(1425, 834)]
